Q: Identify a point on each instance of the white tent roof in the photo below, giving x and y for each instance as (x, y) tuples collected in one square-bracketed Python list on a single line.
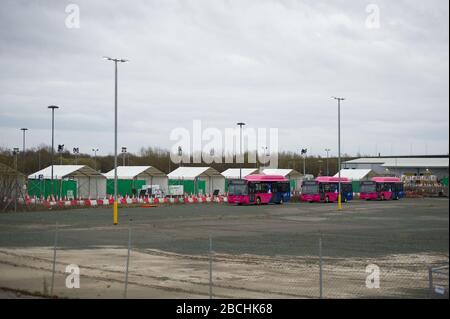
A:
[(186, 172), (62, 171), (280, 171), (425, 162), (354, 174), (130, 172), (234, 173)]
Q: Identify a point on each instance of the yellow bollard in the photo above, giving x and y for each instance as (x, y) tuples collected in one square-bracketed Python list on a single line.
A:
[(339, 201), (115, 212)]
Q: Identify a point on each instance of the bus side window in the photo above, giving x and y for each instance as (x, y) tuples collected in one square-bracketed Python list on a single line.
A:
[(251, 188)]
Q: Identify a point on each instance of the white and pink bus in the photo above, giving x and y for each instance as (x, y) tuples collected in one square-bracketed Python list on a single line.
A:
[(382, 188), (259, 189), (325, 189)]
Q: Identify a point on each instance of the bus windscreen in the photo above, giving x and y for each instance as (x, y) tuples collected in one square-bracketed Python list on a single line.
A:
[(368, 188), (238, 189), (310, 188)]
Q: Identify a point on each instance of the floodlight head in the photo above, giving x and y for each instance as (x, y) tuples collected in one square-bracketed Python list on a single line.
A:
[(241, 123), (24, 129), (53, 107)]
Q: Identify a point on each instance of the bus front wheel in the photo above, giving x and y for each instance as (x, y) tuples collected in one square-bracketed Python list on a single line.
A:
[(258, 201)]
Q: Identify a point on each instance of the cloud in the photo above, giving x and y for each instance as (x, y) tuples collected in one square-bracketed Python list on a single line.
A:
[(269, 63)]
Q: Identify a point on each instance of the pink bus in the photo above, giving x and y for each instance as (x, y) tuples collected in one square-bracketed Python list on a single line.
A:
[(259, 189), (382, 188), (325, 188)]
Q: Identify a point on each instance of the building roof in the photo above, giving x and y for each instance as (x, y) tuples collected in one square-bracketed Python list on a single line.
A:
[(355, 174), (281, 171), (421, 162), (186, 172), (62, 171), (234, 173), (130, 172)]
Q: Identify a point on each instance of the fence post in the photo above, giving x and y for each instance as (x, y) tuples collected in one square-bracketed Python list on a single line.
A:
[(320, 268), (210, 267), (430, 282), (128, 260), (55, 243)]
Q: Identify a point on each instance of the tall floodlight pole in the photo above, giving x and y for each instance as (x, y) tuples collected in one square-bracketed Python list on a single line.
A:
[(16, 183), (76, 151), (115, 132), (24, 129), (240, 147), (95, 150), (339, 99), (265, 153), (328, 152), (303, 152), (53, 108), (124, 153)]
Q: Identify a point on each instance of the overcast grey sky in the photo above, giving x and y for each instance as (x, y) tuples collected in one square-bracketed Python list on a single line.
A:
[(267, 63)]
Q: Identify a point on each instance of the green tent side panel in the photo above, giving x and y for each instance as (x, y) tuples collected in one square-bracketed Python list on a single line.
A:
[(292, 184), (124, 186), (201, 187), (445, 181), (190, 187), (356, 186), (43, 188)]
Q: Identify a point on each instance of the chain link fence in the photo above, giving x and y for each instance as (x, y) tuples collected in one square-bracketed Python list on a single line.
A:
[(119, 263)]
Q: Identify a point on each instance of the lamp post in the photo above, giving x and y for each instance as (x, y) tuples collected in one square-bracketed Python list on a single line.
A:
[(339, 99), (76, 151), (240, 147), (16, 186), (95, 150), (328, 170), (60, 151), (303, 152), (53, 108), (115, 132), (24, 129), (264, 148), (124, 153), (180, 155)]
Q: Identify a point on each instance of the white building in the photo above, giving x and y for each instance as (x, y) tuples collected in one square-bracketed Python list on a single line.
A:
[(357, 174), (294, 177), (198, 179), (235, 173), (405, 165)]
